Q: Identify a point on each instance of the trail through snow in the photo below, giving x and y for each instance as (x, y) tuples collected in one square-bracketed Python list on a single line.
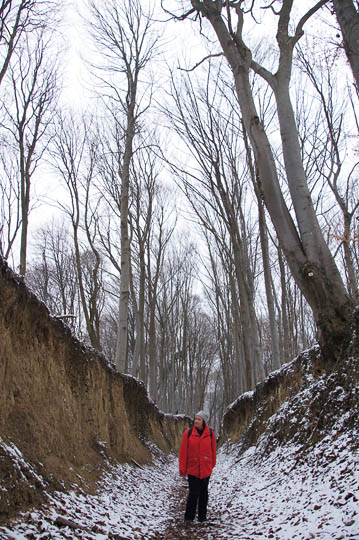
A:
[(280, 498)]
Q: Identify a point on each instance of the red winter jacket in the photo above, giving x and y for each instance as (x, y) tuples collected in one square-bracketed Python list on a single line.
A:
[(197, 455)]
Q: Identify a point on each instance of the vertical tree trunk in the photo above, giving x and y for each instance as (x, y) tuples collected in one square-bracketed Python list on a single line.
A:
[(124, 174), (244, 281), (268, 285), (138, 365), (25, 202), (124, 36), (152, 351), (266, 261), (152, 336), (352, 278), (348, 18), (90, 327), (308, 257), (285, 324), (257, 363)]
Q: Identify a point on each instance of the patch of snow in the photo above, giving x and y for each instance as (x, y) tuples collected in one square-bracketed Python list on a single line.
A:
[(19, 463), (283, 499), (132, 502), (246, 395)]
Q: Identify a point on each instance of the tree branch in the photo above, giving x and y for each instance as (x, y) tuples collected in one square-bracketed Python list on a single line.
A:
[(263, 72), (303, 20), (270, 6), (175, 17), (201, 62)]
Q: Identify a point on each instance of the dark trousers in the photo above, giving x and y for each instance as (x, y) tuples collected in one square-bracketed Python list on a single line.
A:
[(198, 494)]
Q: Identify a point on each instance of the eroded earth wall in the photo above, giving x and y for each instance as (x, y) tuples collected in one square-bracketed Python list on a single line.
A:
[(62, 405), (299, 404), (246, 419)]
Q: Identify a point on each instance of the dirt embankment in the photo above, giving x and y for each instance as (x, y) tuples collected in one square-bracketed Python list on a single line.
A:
[(246, 419), (298, 404), (63, 407)]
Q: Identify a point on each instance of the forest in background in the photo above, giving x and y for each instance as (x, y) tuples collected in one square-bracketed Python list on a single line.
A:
[(167, 252)]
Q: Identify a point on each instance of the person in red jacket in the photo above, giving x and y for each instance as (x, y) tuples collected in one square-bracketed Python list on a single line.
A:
[(197, 457)]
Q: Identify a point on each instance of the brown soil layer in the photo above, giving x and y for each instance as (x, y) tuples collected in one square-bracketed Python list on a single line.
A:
[(63, 406)]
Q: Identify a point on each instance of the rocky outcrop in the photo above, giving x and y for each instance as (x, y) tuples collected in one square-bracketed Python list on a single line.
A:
[(63, 406)]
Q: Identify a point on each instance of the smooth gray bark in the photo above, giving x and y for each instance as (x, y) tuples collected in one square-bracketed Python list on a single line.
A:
[(307, 254), (348, 18), (124, 175)]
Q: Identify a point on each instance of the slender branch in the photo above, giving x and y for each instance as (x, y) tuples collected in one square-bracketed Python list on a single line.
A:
[(263, 72), (229, 19), (303, 20), (177, 17), (250, 9), (270, 6), (201, 62)]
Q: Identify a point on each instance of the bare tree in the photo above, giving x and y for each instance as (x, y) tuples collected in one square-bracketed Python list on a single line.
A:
[(224, 304), (303, 243), (10, 211), (33, 91), (187, 345), (18, 19), (145, 190), (123, 34), (52, 274), (74, 156), (215, 187), (157, 247), (328, 155)]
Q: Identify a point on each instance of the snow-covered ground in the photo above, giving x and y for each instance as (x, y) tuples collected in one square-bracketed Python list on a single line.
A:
[(286, 500), (280, 498), (132, 503)]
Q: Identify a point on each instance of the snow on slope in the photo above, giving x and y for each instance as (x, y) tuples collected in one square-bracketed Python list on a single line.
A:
[(284, 499), (281, 498), (132, 503)]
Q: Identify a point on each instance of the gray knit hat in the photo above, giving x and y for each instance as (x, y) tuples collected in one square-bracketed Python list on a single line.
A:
[(203, 415)]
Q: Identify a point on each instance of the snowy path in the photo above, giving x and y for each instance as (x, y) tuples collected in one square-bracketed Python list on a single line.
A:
[(284, 501), (278, 500)]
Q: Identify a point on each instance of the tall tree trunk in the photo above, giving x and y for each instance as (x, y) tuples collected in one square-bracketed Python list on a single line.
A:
[(284, 309), (139, 354), (25, 202), (244, 289), (90, 321), (152, 299), (123, 34), (124, 173), (268, 286), (352, 278), (152, 351), (258, 366), (265, 256), (348, 19), (309, 259)]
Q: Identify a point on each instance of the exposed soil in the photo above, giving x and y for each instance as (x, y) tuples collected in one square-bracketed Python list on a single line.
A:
[(63, 407), (66, 416)]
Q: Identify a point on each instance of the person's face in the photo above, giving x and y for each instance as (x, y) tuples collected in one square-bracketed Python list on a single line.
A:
[(198, 422)]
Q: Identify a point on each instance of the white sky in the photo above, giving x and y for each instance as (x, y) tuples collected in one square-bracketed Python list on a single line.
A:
[(182, 45)]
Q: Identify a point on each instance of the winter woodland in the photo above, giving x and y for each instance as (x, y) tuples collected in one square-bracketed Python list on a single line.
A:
[(190, 209)]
